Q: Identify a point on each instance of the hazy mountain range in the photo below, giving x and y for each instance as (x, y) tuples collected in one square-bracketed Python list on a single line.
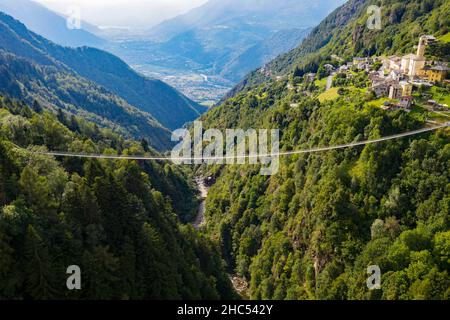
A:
[(221, 31), (224, 38), (251, 17), (50, 24)]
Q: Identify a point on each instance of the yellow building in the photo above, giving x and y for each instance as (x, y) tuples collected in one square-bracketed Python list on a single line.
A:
[(437, 73)]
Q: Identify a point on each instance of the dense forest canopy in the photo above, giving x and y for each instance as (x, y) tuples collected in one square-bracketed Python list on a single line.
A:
[(120, 221), (308, 232), (311, 231)]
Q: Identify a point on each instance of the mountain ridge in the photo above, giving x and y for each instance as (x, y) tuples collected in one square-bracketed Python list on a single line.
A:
[(51, 25), (149, 95), (30, 73), (263, 52)]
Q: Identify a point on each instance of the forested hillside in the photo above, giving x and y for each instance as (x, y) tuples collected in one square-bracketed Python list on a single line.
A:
[(343, 33), (58, 90), (171, 108), (311, 231), (118, 220), (90, 82)]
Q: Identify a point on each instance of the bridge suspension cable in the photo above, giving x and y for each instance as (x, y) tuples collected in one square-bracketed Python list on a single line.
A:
[(247, 156)]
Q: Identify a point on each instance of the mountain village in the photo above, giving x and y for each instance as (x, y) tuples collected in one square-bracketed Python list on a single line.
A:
[(400, 76), (392, 80)]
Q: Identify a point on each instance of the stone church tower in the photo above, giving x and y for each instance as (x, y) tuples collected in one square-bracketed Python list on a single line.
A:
[(424, 41), (422, 46)]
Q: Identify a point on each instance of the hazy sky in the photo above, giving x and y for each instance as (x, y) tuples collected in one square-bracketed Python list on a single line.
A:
[(130, 13)]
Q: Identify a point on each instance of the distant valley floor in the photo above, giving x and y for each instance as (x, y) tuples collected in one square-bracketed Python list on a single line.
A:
[(197, 81), (200, 87)]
